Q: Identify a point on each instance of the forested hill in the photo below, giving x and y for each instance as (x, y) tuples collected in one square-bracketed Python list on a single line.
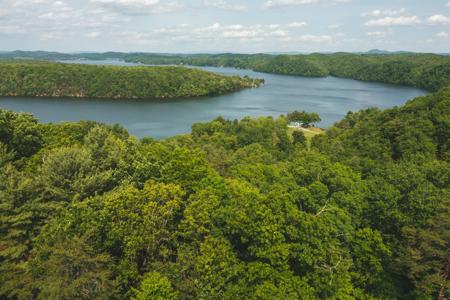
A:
[(28, 78), (422, 70), (427, 71), (234, 210)]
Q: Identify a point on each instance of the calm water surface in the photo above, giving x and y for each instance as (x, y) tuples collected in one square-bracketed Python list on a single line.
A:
[(331, 97)]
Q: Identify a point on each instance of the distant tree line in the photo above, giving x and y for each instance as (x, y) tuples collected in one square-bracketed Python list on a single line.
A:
[(427, 71), (421, 70)]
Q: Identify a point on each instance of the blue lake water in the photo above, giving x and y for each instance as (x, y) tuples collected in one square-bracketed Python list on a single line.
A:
[(331, 97)]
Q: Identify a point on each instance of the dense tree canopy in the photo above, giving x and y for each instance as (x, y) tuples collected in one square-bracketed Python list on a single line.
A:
[(24, 78), (235, 210), (427, 71)]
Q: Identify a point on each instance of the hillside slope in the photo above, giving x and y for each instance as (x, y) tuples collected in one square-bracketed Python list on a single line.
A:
[(235, 210), (44, 79)]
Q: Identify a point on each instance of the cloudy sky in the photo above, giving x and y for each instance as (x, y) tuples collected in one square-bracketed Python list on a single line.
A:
[(225, 25)]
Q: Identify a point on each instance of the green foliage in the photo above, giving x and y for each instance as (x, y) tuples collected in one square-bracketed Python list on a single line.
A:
[(298, 138), (71, 270), (306, 119), (427, 255), (422, 70), (155, 287), (19, 134), (427, 71), (41, 79), (235, 210)]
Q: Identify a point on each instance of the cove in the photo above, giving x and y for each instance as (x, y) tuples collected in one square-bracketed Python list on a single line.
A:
[(331, 97)]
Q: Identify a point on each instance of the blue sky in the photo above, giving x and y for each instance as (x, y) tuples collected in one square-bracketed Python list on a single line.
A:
[(225, 25)]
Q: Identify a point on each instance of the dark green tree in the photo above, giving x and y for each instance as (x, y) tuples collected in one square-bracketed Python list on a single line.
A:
[(304, 118), (298, 138)]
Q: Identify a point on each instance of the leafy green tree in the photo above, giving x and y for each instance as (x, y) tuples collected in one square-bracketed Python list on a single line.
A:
[(19, 133), (5, 155), (154, 286), (187, 168), (217, 267), (370, 257), (298, 138), (304, 118), (71, 269), (72, 173), (427, 257)]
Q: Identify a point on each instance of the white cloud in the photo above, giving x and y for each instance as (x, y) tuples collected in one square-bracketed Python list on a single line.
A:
[(59, 4), (53, 35), (19, 3), (244, 34), (11, 30), (296, 24), (138, 7), (49, 15), (55, 19), (222, 4), (238, 31), (59, 10), (448, 4), (275, 3), (386, 12), (93, 34), (97, 24), (60, 15), (439, 20), (379, 34), (280, 3), (278, 33), (315, 38), (426, 41), (225, 34), (394, 21)]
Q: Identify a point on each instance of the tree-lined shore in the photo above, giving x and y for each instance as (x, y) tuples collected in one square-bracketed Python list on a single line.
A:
[(48, 79), (422, 70)]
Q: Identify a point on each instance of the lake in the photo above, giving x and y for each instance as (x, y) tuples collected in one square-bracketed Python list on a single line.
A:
[(331, 97)]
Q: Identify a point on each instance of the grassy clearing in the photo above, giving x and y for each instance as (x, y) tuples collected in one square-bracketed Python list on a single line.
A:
[(308, 132)]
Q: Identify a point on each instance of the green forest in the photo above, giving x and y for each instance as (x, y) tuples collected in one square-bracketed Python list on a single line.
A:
[(427, 71), (238, 209), (422, 70), (46, 79)]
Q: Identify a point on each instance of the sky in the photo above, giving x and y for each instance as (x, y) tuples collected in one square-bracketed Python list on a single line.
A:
[(252, 26)]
